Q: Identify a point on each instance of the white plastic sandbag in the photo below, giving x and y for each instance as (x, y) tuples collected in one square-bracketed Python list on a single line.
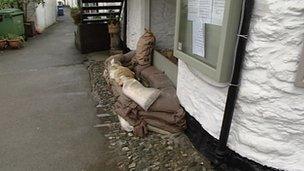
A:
[(116, 71), (125, 125), (141, 95)]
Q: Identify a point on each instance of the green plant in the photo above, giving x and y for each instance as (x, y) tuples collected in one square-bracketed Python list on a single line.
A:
[(74, 10), (8, 4), (75, 14), (14, 37), (21, 4), (2, 38)]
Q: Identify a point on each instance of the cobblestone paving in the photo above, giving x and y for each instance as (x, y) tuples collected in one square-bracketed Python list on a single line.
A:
[(155, 152)]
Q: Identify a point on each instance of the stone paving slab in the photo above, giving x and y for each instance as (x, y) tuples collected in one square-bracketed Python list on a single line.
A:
[(47, 115)]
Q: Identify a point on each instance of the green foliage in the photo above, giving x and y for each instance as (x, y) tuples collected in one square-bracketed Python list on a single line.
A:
[(75, 10), (2, 37), (14, 37), (8, 4), (21, 4), (75, 14)]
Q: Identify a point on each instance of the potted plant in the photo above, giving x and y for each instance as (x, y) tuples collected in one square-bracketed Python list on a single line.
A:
[(3, 42), (76, 15), (15, 41), (115, 40)]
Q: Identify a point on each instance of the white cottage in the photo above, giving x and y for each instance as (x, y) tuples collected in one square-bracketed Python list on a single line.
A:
[(44, 15), (268, 119)]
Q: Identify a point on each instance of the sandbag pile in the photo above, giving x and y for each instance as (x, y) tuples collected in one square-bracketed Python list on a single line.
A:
[(145, 96), (144, 49)]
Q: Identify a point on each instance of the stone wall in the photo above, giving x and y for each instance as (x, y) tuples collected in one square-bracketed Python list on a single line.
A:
[(46, 14), (163, 22), (31, 10), (269, 118)]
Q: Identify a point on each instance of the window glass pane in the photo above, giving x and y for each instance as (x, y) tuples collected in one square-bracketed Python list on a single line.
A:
[(200, 29)]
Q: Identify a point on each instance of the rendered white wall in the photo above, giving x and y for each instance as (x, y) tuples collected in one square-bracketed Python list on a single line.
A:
[(135, 22), (46, 15), (268, 125)]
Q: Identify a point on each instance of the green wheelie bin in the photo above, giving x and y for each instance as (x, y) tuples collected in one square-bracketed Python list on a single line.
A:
[(11, 22)]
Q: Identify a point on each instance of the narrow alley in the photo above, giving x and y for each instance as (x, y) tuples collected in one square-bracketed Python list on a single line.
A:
[(47, 115)]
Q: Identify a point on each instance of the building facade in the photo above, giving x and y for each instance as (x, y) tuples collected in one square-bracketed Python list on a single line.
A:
[(268, 123), (44, 15)]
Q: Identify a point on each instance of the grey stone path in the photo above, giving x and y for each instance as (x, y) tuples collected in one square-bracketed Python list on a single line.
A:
[(46, 112)]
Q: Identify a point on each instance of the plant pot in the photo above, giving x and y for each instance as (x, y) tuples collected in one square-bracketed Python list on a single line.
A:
[(114, 28), (3, 44), (15, 44), (76, 17)]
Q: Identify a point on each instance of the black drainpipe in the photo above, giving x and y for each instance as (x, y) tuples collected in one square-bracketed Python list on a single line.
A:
[(221, 150)]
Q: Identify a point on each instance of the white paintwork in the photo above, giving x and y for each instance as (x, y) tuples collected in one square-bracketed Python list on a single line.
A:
[(268, 125), (46, 15), (137, 21)]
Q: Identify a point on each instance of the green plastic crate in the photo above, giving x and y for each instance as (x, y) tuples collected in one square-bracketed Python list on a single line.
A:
[(11, 22)]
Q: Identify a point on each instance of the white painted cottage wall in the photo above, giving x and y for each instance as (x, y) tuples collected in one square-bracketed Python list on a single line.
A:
[(136, 21), (268, 125), (46, 15)]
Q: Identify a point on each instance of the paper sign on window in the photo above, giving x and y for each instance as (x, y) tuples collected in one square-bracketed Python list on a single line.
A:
[(202, 12)]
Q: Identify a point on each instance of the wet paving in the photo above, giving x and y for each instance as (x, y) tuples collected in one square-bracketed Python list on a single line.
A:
[(46, 110)]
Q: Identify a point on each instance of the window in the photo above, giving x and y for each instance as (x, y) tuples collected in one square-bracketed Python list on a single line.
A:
[(206, 34)]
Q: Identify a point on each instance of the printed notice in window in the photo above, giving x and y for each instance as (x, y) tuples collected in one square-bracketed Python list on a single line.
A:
[(198, 39), (218, 9), (202, 12), (205, 11), (208, 11), (192, 10)]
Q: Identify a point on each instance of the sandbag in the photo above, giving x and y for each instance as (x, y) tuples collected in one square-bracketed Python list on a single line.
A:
[(128, 56), (117, 59), (127, 109), (116, 72), (143, 96), (163, 125), (167, 101), (125, 125), (145, 48), (155, 78), (139, 68), (141, 129), (177, 118), (116, 89), (108, 63)]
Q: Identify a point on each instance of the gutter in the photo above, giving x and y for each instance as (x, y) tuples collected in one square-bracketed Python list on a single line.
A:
[(233, 91)]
